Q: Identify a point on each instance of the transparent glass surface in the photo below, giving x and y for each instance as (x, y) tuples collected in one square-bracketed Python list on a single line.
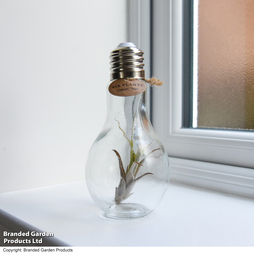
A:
[(127, 168), (225, 64)]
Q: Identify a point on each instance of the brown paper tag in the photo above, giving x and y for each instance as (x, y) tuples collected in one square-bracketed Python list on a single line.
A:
[(123, 87)]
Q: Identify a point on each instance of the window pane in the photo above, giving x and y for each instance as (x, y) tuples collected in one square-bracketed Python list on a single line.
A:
[(225, 64)]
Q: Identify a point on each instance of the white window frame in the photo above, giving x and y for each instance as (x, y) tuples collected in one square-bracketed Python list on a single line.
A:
[(139, 32), (214, 159)]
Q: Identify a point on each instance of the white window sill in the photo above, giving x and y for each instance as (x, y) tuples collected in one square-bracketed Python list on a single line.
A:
[(223, 178), (186, 216)]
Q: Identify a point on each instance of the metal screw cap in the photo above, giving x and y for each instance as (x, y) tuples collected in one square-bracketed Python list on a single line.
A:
[(127, 62)]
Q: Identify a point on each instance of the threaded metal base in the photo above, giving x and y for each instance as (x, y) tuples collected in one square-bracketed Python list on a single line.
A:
[(127, 62)]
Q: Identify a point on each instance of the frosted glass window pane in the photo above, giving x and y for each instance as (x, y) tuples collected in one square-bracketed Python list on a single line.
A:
[(225, 74)]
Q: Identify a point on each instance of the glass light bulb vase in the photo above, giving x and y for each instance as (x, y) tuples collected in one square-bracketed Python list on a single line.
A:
[(127, 169)]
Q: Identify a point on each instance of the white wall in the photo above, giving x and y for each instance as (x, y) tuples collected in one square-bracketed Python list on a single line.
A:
[(54, 68)]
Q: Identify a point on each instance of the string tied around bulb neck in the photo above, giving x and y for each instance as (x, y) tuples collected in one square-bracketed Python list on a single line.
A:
[(152, 81)]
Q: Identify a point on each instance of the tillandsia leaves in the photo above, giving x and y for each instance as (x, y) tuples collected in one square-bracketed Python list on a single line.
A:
[(132, 153), (129, 176)]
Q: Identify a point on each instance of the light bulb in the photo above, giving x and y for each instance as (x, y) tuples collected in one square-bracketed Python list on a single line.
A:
[(127, 169)]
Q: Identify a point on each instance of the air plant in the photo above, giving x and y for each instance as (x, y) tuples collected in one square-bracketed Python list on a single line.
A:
[(129, 176)]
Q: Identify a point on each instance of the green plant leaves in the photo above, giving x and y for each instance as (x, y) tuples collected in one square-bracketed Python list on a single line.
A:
[(129, 177)]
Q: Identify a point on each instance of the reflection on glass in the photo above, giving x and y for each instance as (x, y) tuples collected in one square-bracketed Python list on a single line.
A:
[(225, 63)]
